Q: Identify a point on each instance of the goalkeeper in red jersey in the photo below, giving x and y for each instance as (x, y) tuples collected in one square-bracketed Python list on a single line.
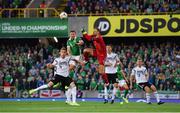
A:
[(99, 51)]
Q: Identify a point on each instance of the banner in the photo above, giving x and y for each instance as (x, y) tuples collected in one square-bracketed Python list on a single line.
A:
[(169, 96), (140, 25), (51, 94), (33, 27)]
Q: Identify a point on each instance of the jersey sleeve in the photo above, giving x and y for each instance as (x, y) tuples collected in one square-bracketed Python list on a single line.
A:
[(68, 45), (145, 71), (55, 62), (70, 58), (87, 37), (78, 39)]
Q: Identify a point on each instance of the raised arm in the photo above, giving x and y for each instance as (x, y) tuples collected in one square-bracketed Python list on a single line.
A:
[(85, 35)]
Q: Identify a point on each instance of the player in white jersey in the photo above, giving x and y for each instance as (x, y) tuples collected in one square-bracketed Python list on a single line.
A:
[(140, 74), (61, 74), (111, 63)]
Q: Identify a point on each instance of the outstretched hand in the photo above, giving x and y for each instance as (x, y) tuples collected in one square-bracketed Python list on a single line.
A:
[(83, 31)]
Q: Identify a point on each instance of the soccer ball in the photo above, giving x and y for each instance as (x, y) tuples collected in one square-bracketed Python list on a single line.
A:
[(63, 15)]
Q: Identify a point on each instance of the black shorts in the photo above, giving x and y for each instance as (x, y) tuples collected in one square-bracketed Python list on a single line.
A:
[(143, 85), (65, 81), (112, 78)]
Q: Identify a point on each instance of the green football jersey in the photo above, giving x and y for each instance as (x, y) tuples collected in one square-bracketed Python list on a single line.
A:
[(119, 73), (177, 82), (74, 48)]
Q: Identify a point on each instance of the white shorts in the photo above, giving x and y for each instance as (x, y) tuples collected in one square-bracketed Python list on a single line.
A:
[(74, 57), (122, 83)]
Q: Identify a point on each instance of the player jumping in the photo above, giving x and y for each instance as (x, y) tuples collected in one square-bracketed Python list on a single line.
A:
[(61, 70), (74, 44), (98, 52), (140, 74)]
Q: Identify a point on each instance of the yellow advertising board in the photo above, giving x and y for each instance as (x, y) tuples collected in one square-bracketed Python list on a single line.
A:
[(139, 25)]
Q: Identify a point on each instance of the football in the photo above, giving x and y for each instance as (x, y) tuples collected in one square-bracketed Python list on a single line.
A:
[(63, 15)]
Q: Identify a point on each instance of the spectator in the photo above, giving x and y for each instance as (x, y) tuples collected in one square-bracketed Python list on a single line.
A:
[(21, 65), (33, 83), (8, 79), (87, 83), (40, 82), (121, 6), (93, 85), (80, 83), (177, 82)]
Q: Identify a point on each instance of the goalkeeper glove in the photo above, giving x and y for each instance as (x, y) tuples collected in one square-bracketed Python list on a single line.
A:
[(83, 31)]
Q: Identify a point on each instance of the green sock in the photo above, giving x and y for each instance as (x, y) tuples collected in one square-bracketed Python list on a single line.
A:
[(125, 93)]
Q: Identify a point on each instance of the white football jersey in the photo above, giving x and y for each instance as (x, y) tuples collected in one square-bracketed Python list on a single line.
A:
[(112, 59), (62, 66), (140, 74)]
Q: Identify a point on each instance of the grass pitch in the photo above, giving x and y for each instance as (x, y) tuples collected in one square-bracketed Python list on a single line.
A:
[(85, 107)]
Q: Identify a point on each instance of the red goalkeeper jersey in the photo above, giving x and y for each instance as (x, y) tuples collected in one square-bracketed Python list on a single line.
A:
[(98, 44)]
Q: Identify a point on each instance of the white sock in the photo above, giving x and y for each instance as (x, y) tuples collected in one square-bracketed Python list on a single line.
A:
[(105, 93), (148, 97), (68, 95), (157, 96), (41, 87), (74, 92), (114, 93)]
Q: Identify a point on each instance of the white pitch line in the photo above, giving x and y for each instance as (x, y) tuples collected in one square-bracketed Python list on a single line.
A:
[(90, 112)]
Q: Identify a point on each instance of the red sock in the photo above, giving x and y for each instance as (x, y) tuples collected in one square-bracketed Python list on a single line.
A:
[(105, 78), (86, 56)]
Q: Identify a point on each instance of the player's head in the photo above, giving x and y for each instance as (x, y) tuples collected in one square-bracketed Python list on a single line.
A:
[(72, 34), (109, 48), (96, 31), (63, 52), (139, 62)]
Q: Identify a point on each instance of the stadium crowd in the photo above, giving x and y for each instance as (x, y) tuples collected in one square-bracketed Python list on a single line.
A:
[(121, 6), (25, 66), (13, 3)]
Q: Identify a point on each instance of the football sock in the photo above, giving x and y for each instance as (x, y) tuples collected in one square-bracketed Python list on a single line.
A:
[(114, 93), (68, 94), (148, 97), (74, 92), (157, 96), (125, 93), (105, 78), (105, 93)]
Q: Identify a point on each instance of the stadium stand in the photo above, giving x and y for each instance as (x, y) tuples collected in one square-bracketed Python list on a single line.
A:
[(121, 6), (23, 65)]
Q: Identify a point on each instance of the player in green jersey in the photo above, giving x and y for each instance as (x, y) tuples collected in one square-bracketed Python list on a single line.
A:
[(122, 83), (74, 44)]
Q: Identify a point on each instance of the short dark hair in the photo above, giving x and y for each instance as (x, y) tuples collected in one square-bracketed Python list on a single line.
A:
[(72, 31), (139, 59)]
